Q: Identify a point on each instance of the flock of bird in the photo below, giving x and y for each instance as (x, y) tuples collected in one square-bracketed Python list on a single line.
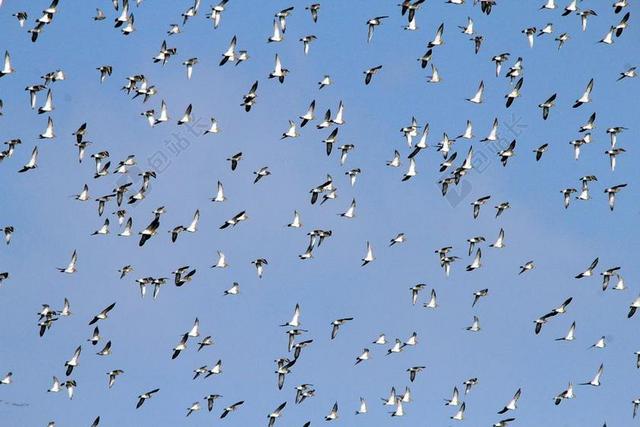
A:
[(126, 197)]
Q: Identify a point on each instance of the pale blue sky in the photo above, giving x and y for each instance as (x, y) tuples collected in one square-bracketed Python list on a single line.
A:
[(505, 355)]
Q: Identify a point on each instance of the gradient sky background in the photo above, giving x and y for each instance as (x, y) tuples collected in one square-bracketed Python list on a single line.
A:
[(505, 355)]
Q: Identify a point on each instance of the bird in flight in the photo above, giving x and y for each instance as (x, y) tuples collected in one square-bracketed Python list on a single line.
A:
[(96, 108)]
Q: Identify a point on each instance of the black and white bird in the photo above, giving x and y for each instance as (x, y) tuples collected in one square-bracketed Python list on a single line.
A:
[(261, 173), (146, 396), (478, 97), (368, 74), (477, 204), (6, 67), (513, 403), (586, 96), (231, 408), (479, 294), (528, 266), (611, 194), (273, 416), (104, 314), (279, 71), (6, 379), (249, 99), (336, 325), (571, 333), (260, 264), (547, 105), (73, 362), (236, 219), (369, 255), (628, 73), (71, 267), (333, 414), (595, 382), (565, 394), (372, 24)]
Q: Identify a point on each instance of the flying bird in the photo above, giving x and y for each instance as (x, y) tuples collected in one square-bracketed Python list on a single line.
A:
[(146, 396)]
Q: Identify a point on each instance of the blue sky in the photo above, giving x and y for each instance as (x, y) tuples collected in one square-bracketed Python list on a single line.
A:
[(505, 355)]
